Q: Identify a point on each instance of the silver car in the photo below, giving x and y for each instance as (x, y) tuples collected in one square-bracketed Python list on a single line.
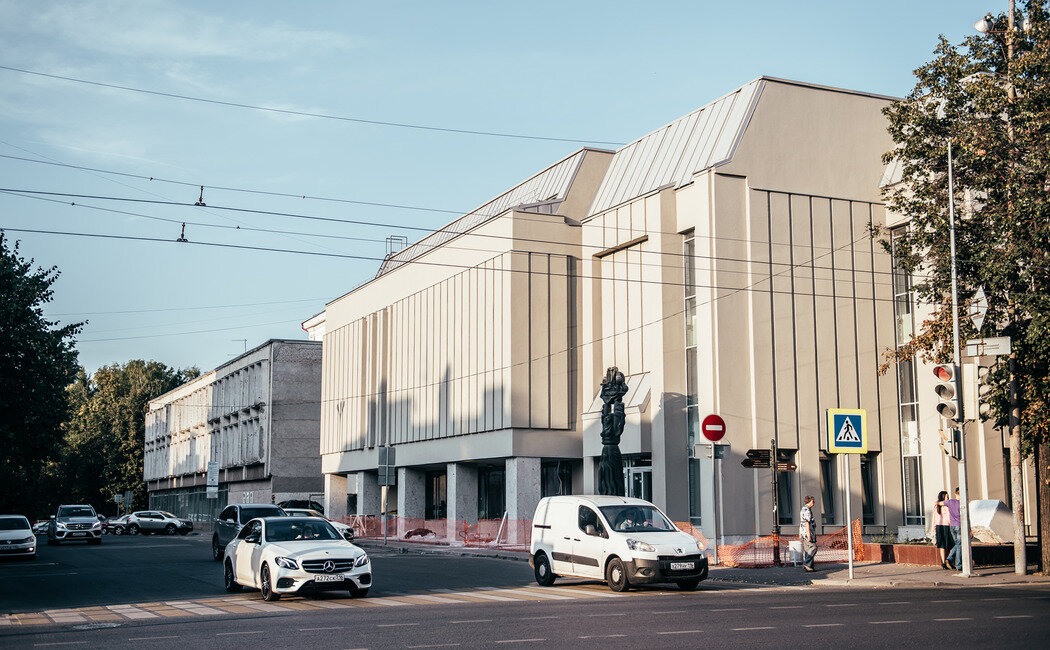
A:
[(74, 523), (157, 521), (16, 537)]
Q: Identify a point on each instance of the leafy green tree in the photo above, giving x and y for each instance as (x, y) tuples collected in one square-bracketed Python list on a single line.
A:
[(37, 361), (105, 433), (995, 110)]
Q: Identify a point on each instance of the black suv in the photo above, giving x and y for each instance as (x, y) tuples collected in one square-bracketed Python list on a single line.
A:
[(232, 518)]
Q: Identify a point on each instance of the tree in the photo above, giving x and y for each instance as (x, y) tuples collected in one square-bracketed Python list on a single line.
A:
[(37, 361), (995, 109), (105, 433)]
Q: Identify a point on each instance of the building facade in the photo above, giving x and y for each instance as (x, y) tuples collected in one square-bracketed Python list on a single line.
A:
[(722, 262), (257, 416)]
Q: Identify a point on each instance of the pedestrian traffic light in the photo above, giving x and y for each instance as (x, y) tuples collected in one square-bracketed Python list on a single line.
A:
[(947, 388)]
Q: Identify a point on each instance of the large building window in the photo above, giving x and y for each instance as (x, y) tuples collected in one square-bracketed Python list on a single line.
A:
[(827, 489), (435, 495), (692, 401), (911, 450), (786, 488), (491, 493), (556, 478), (868, 482)]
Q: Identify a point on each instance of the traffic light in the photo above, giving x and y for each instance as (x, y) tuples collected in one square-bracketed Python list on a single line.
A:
[(948, 404), (984, 390)]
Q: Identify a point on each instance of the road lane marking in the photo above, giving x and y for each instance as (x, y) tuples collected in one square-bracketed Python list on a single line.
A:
[(748, 629), (680, 632), (387, 601), (887, 622), (475, 594), (1016, 616), (824, 625), (130, 611), (432, 599), (521, 640), (526, 592), (590, 593)]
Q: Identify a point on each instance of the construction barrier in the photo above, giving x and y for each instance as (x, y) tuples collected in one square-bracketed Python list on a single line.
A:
[(759, 551)]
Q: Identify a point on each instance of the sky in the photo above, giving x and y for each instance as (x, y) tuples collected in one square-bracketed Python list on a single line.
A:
[(565, 74)]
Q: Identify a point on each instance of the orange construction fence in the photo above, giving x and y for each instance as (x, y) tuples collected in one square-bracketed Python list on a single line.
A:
[(759, 551)]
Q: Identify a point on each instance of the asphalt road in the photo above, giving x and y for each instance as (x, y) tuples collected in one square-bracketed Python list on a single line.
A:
[(475, 602), (131, 569)]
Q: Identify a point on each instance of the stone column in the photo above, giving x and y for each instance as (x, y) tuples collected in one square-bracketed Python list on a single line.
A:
[(411, 496), (590, 475), (523, 495), (368, 493), (462, 493), (335, 496)]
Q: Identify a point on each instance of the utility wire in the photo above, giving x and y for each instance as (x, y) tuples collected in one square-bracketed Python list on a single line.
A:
[(324, 116)]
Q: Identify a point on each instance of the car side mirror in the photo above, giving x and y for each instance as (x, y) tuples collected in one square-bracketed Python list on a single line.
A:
[(348, 536), (252, 539), (590, 530)]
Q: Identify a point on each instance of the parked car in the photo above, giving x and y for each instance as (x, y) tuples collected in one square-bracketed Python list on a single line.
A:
[(40, 527), (232, 519), (302, 503), (74, 523), (116, 525), (292, 555), (16, 537), (341, 528), (157, 521), (623, 541)]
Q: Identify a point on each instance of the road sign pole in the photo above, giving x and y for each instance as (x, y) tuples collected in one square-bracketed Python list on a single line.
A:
[(849, 516), (382, 497)]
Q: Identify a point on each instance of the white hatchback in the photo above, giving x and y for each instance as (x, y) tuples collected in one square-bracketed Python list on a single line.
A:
[(290, 555), (617, 539), (16, 537)]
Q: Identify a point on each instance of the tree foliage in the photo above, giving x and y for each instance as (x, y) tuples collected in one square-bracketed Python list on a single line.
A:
[(37, 361), (104, 435), (1001, 163)]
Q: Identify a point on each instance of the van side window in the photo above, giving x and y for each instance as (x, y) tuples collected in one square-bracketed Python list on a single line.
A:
[(588, 516)]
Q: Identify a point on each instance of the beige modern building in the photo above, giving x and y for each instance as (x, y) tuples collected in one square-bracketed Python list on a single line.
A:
[(722, 262), (256, 416)]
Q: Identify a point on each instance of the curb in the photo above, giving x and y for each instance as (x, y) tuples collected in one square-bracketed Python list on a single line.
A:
[(445, 550)]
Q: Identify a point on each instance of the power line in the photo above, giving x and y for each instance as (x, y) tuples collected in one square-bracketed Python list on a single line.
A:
[(159, 309), (224, 188), (325, 116), (217, 329)]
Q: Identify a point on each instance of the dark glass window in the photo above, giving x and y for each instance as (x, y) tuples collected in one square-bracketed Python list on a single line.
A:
[(786, 488), (589, 517), (435, 495), (827, 490), (555, 479), (868, 475), (491, 493), (913, 514)]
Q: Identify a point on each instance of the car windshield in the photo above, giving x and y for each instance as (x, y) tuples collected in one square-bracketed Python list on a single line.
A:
[(295, 530), (296, 512), (75, 511), (260, 511), (637, 519), (14, 523)]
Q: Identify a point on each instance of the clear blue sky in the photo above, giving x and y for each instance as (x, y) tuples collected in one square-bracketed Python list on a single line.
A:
[(598, 71)]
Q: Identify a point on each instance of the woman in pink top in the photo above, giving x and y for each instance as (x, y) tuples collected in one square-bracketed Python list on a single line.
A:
[(942, 531)]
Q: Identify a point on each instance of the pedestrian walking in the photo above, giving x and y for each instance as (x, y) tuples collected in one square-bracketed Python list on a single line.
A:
[(808, 534), (954, 525), (942, 532)]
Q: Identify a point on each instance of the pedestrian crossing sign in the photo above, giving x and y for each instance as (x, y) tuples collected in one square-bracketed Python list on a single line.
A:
[(847, 431)]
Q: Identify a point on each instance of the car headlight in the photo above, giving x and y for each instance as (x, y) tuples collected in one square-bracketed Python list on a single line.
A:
[(60, 526), (97, 524), (636, 545), (286, 562), (361, 561), (28, 540)]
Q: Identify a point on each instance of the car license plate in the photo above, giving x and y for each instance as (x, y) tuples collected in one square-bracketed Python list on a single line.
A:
[(335, 578), (8, 548), (79, 534), (681, 566)]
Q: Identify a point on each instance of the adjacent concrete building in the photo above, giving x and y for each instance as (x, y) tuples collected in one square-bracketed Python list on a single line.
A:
[(722, 262), (257, 416)]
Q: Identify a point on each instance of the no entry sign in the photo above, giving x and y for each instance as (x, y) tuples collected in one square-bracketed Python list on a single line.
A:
[(714, 428)]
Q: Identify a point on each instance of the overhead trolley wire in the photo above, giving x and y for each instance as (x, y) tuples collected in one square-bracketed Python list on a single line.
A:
[(324, 116)]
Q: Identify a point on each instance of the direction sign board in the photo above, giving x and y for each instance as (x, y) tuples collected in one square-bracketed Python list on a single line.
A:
[(212, 481), (998, 345), (118, 499), (786, 467), (847, 431), (387, 470), (978, 308), (754, 463), (759, 454), (713, 427), (128, 496)]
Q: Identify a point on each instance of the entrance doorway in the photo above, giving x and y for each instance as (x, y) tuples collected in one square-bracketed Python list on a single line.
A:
[(638, 478)]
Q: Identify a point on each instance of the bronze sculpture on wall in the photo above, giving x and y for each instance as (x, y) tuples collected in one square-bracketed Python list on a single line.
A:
[(610, 466)]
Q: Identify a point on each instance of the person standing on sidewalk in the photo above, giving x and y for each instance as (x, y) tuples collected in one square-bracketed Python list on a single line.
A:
[(808, 534), (942, 533), (954, 526)]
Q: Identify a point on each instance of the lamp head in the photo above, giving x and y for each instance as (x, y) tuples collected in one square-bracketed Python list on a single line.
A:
[(984, 25)]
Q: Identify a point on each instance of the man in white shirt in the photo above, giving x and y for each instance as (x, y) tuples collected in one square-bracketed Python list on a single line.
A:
[(808, 534)]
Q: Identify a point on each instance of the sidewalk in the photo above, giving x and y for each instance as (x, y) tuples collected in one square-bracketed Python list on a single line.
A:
[(874, 574), (866, 574)]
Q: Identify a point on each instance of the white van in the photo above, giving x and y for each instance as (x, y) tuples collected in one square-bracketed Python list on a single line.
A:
[(620, 540)]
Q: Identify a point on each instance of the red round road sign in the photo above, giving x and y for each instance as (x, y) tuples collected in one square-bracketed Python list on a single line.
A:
[(713, 427)]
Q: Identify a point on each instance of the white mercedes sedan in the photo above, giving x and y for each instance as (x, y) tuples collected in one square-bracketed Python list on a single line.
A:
[(292, 555)]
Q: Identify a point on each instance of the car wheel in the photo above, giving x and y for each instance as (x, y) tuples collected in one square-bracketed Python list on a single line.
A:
[(216, 550), (358, 593), (170, 529), (616, 575), (230, 580), (688, 585), (134, 529), (268, 594), (544, 576)]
